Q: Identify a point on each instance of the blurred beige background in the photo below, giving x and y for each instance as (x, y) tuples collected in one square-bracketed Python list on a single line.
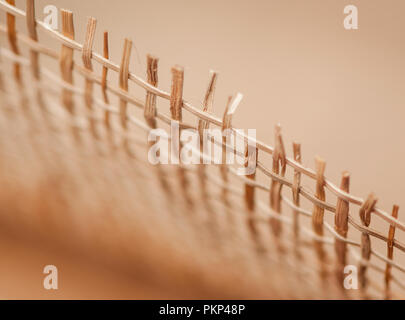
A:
[(338, 92)]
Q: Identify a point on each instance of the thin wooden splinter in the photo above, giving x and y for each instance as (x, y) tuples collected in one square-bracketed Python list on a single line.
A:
[(150, 113), (226, 126), (227, 148), (123, 81), (34, 55), (296, 197), (318, 214), (176, 105), (251, 156), (208, 105), (232, 106), (365, 217), (150, 102), (390, 253), (66, 59), (33, 34), (341, 227), (86, 57), (12, 39), (279, 168), (176, 98), (106, 55)]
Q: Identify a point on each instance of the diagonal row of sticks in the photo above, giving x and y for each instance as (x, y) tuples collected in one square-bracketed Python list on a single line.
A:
[(177, 104)]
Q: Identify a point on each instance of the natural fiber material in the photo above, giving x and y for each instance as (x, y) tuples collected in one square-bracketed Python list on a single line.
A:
[(201, 228)]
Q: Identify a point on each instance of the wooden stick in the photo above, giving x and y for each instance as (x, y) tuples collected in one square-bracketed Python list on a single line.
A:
[(86, 57), (296, 197), (176, 98), (106, 55), (231, 107), (250, 197), (34, 55), (390, 253), (279, 168), (341, 227), (208, 103), (226, 126), (318, 213), (12, 39), (176, 105), (150, 103), (150, 115), (66, 59), (367, 208), (249, 189), (365, 217), (33, 34), (123, 80), (202, 126)]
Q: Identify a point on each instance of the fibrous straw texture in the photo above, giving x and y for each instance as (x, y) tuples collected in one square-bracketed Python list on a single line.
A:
[(189, 199)]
